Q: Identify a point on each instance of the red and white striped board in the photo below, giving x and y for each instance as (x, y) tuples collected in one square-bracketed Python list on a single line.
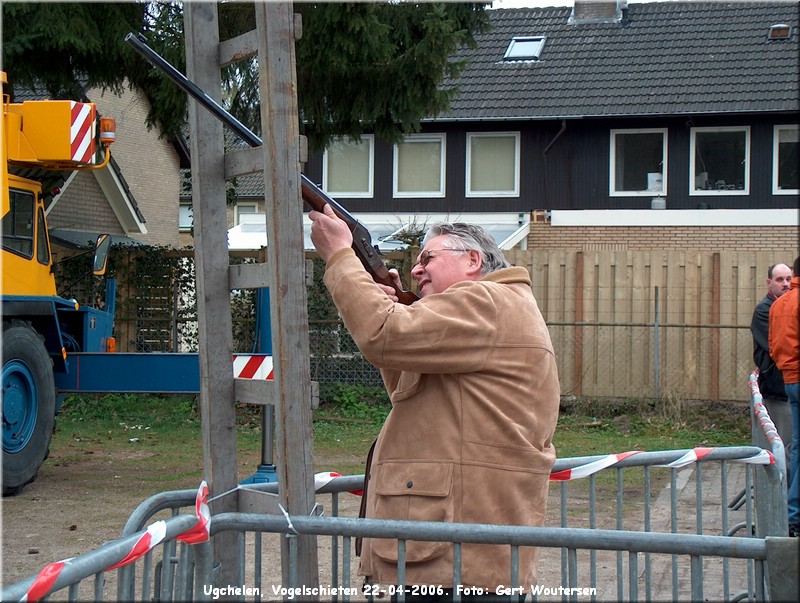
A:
[(82, 133), (249, 366)]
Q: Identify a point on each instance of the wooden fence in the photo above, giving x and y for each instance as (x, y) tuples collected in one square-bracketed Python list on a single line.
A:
[(651, 324)]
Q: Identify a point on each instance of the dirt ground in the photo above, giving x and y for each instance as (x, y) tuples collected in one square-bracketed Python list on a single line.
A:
[(70, 509), (74, 506)]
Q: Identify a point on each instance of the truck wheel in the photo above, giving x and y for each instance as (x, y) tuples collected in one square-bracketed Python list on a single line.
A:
[(28, 405)]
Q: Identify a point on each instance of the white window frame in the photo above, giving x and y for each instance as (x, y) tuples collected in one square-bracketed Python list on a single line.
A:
[(412, 139), (693, 191), (237, 213), (612, 168), (776, 189), (184, 227), (525, 48), (368, 194), (501, 193)]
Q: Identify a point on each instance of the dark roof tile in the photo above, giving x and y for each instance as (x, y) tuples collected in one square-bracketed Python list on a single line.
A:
[(673, 58)]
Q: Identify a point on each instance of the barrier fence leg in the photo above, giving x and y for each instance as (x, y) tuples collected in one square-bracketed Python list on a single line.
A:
[(783, 559)]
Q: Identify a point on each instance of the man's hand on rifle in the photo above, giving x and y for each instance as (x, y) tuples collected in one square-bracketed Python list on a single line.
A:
[(329, 233), (391, 291)]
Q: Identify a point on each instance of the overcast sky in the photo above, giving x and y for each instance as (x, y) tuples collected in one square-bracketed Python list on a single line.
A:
[(524, 3), (540, 3)]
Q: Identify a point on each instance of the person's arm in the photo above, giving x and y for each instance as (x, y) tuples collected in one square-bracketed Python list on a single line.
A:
[(759, 327), (448, 332)]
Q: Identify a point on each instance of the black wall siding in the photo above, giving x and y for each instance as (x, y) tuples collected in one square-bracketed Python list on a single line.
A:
[(574, 174)]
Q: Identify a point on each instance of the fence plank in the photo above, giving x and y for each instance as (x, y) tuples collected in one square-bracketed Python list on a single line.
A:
[(691, 315)]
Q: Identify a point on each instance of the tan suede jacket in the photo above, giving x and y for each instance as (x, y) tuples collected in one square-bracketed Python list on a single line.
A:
[(475, 394)]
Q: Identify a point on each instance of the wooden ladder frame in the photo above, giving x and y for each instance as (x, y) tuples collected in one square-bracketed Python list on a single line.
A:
[(279, 158)]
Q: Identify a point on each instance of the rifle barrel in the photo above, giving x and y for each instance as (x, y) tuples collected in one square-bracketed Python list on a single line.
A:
[(311, 193)]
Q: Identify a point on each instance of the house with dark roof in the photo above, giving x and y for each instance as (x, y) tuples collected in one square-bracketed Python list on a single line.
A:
[(601, 125), (564, 113)]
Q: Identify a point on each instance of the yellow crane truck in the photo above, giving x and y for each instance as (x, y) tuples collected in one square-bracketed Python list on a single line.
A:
[(41, 137), (53, 346)]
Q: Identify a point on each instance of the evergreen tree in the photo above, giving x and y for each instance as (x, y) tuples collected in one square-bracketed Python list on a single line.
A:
[(361, 67), (58, 48)]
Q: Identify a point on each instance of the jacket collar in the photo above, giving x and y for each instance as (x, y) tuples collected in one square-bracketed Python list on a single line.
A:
[(508, 276)]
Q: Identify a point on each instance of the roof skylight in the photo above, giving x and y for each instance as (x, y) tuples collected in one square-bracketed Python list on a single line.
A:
[(780, 31), (524, 48)]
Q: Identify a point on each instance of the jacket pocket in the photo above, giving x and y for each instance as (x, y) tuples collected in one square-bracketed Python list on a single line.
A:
[(408, 385), (416, 491)]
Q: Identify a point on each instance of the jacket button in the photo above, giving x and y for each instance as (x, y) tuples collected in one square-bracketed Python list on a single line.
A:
[(410, 485)]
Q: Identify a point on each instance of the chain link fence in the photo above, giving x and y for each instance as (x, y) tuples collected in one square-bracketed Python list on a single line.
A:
[(662, 362), (156, 312)]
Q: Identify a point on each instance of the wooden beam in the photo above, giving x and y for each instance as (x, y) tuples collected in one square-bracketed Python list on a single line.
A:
[(281, 146), (239, 48), (215, 339), (254, 391), (249, 276), (244, 162)]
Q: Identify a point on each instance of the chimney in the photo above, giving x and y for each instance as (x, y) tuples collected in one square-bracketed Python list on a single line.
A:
[(597, 11)]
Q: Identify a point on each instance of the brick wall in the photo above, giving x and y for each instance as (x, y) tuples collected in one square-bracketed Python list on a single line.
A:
[(699, 238), (149, 165)]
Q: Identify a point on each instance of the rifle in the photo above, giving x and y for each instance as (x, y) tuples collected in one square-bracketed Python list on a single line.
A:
[(368, 253)]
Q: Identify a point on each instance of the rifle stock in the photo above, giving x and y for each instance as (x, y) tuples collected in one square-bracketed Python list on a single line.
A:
[(311, 193)]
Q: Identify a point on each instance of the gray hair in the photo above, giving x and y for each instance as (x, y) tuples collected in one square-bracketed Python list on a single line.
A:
[(470, 237)]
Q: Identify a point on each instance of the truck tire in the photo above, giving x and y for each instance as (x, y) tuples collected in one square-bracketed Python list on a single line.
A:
[(29, 398)]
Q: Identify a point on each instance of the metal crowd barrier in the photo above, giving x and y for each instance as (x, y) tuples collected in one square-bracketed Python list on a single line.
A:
[(677, 542), (771, 502)]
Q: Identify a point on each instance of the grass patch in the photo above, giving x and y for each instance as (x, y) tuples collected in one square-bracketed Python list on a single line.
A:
[(159, 436)]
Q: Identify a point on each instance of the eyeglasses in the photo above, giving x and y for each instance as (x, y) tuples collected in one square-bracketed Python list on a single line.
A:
[(426, 256)]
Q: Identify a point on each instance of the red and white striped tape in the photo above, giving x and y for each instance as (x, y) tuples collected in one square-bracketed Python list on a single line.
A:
[(149, 540), (764, 457), (323, 478), (46, 578), (697, 454), (201, 531), (765, 423), (752, 381), (246, 366), (590, 468), (81, 135)]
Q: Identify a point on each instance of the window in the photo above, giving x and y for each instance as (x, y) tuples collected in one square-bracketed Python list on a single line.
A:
[(347, 167), (638, 162), (720, 161), (241, 209), (42, 244), (18, 224), (419, 166), (185, 217), (785, 160), (524, 48), (780, 31), (493, 164)]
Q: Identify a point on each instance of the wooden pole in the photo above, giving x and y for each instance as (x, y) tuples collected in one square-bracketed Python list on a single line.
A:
[(215, 338), (284, 208), (715, 310), (577, 388)]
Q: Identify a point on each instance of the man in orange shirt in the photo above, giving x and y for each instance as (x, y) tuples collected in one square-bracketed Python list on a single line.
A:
[(784, 347)]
